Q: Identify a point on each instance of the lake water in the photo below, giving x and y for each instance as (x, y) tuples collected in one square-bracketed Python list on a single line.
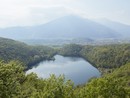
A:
[(74, 68)]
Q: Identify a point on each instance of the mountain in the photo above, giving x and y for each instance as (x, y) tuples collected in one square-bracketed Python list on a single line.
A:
[(64, 27), (121, 28), (74, 27), (16, 32)]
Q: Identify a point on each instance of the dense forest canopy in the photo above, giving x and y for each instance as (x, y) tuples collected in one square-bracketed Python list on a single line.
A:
[(29, 55), (15, 83), (106, 56)]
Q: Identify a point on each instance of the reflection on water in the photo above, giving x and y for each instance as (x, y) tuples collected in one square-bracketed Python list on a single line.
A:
[(74, 68)]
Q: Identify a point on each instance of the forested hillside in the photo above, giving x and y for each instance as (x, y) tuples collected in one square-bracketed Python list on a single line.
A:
[(15, 84), (107, 56), (114, 85), (14, 50)]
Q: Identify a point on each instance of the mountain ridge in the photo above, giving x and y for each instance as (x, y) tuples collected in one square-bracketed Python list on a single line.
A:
[(64, 27), (117, 26)]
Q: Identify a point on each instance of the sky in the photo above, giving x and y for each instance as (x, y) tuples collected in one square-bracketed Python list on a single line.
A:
[(35, 12)]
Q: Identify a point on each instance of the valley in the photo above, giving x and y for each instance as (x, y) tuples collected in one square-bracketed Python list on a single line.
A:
[(111, 60)]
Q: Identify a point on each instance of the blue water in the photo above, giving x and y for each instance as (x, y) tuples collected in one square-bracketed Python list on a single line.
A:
[(74, 68)]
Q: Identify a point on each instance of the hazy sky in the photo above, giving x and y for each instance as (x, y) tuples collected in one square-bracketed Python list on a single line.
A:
[(33, 12)]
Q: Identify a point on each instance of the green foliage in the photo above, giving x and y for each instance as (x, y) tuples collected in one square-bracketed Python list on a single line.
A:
[(122, 73), (29, 55), (45, 51), (55, 87), (70, 50), (14, 83), (109, 56), (107, 87), (114, 85), (11, 76)]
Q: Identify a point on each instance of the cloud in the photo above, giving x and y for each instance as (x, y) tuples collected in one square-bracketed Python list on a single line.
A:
[(30, 12), (33, 12), (44, 14)]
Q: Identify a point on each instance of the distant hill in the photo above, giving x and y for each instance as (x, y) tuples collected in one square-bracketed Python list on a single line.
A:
[(122, 29), (64, 27)]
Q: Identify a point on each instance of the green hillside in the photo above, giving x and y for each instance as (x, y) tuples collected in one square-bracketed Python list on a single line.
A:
[(107, 56), (15, 84), (29, 55), (114, 85)]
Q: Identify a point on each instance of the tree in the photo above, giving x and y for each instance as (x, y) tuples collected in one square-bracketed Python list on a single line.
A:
[(106, 87), (11, 76)]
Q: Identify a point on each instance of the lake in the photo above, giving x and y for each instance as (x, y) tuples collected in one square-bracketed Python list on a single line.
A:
[(74, 68)]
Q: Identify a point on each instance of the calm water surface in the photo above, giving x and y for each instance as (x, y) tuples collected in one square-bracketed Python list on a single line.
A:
[(74, 68)]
